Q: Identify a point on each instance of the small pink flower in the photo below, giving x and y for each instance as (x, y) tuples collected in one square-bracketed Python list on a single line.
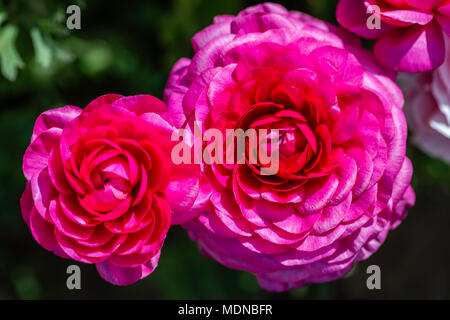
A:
[(411, 34), (344, 179), (428, 110), (101, 184)]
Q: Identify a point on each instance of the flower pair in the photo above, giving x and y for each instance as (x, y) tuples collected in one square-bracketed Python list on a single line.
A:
[(103, 187)]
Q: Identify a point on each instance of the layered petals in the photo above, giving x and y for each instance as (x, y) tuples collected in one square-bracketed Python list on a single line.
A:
[(336, 180), (101, 183), (409, 34), (428, 110)]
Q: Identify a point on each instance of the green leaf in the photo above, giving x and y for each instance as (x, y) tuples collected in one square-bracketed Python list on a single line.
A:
[(42, 51), (96, 60), (10, 58), (3, 17), (64, 55)]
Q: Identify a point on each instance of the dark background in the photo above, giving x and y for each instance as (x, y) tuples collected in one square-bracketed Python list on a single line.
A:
[(128, 47)]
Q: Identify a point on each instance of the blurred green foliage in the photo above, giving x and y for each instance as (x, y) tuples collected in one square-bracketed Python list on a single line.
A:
[(35, 23), (125, 47)]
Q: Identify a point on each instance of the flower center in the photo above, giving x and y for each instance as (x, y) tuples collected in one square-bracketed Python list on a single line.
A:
[(291, 142)]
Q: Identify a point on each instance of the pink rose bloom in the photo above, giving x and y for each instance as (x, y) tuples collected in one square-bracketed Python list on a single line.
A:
[(410, 37), (428, 110), (343, 179), (101, 184)]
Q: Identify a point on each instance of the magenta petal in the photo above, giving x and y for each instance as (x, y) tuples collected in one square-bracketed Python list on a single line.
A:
[(43, 193), (37, 154), (56, 172), (42, 231), (318, 194), (424, 4), (54, 118), (444, 22), (26, 203), (68, 246), (260, 245), (200, 204), (72, 209), (184, 187), (102, 100), (294, 223), (408, 17), (345, 127), (157, 121), (140, 104), (249, 23), (174, 82), (352, 15), (266, 7), (123, 276), (66, 226), (206, 35), (414, 49), (332, 216)]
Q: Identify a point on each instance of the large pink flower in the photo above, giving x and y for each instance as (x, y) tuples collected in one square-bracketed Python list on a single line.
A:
[(411, 33), (343, 181), (428, 110), (101, 184)]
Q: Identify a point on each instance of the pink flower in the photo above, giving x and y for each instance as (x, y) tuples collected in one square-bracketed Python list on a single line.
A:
[(410, 37), (428, 110), (101, 184), (344, 180)]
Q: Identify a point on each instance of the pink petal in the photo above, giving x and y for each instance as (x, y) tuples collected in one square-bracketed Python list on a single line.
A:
[(407, 17), (37, 154), (122, 276), (44, 234), (26, 203), (215, 30), (414, 49), (54, 118), (43, 193), (352, 15)]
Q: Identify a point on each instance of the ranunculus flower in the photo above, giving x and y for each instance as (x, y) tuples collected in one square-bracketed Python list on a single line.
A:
[(410, 37), (343, 179), (428, 110), (101, 184)]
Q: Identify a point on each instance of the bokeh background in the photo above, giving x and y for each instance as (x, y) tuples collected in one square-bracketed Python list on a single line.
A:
[(128, 47)]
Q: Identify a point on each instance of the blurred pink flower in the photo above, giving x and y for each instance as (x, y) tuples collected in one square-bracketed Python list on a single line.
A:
[(411, 34), (101, 184), (428, 110), (344, 180)]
